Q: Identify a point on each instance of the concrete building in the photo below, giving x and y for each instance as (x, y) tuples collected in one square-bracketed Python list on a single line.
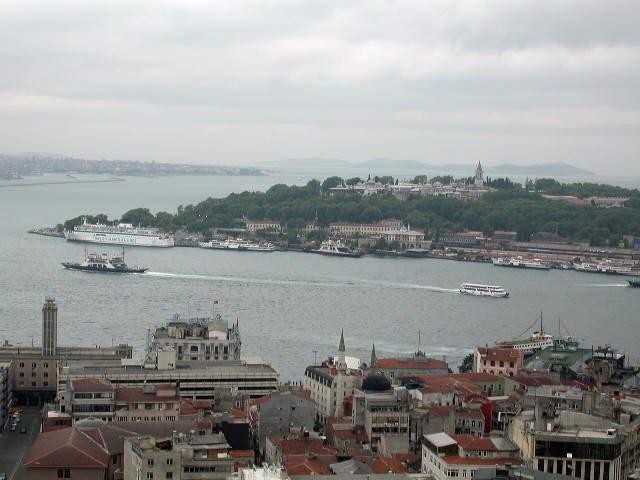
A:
[(576, 444), (382, 413), (6, 397), (329, 384), (95, 398), (200, 380), (460, 456), (278, 412), (180, 456), (498, 361), (404, 235), (34, 369), (200, 339)]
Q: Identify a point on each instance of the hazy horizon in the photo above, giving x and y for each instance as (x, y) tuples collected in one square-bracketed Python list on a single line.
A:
[(246, 83)]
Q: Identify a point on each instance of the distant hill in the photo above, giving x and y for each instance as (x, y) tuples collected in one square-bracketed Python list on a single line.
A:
[(551, 169), (405, 166)]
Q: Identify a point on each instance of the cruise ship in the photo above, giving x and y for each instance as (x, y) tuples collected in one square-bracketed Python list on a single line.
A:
[(519, 262), (483, 290), (121, 234), (239, 245)]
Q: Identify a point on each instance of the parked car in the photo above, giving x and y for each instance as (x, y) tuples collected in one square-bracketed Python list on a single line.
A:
[(12, 428), (3, 476), (23, 429)]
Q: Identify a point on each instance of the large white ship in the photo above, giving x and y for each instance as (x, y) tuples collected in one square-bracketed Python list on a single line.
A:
[(519, 262), (479, 290), (122, 234)]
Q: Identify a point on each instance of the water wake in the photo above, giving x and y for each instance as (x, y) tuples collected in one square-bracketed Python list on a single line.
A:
[(352, 283)]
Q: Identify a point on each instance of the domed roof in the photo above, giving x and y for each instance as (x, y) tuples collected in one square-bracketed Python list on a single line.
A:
[(88, 423), (376, 383)]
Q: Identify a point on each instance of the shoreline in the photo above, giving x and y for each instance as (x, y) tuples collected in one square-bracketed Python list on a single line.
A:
[(63, 182)]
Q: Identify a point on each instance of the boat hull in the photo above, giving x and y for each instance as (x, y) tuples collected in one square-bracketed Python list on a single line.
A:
[(337, 254), (634, 282)]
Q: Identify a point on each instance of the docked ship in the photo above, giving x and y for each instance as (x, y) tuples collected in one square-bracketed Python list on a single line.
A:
[(103, 263), (606, 266), (121, 234), (336, 248), (520, 262), (539, 340), (483, 290), (238, 244)]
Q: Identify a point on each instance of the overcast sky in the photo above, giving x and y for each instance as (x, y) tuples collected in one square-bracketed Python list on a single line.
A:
[(242, 82)]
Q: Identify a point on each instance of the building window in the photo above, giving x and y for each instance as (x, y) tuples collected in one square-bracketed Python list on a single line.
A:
[(46, 365), (169, 475), (46, 374), (64, 473), (33, 365), (149, 475), (21, 364), (169, 461), (150, 462)]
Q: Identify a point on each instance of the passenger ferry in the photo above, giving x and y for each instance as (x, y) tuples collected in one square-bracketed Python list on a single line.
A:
[(239, 245), (607, 266), (483, 290), (538, 341), (103, 263), (519, 262), (121, 234), (336, 248)]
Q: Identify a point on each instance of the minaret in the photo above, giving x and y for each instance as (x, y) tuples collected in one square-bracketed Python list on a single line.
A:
[(341, 364), (479, 175), (49, 327), (374, 359)]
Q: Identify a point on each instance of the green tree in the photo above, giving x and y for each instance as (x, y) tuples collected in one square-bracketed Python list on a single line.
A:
[(139, 216), (331, 182), (467, 364), (353, 181)]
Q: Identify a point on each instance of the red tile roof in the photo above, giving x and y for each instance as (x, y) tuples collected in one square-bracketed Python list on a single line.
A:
[(90, 385), (502, 354), (68, 447), (469, 442), (388, 465), (303, 465)]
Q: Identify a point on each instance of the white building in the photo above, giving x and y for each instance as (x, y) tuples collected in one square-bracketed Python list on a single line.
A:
[(330, 384), (257, 225), (347, 229)]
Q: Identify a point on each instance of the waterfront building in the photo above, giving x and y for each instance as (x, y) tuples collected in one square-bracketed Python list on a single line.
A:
[(347, 229), (498, 361), (200, 380), (461, 456), (262, 225), (404, 235), (462, 239), (198, 339), (6, 397), (180, 456), (34, 369), (330, 383)]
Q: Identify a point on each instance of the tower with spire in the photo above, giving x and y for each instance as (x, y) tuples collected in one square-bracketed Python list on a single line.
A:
[(341, 362), (479, 181), (374, 359)]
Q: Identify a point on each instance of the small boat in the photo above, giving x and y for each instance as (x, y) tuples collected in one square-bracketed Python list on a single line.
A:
[(103, 263), (479, 290), (634, 282), (336, 248)]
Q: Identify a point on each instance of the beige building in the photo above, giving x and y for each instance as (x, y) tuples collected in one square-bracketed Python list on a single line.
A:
[(257, 225), (506, 362), (381, 414), (365, 229), (34, 369)]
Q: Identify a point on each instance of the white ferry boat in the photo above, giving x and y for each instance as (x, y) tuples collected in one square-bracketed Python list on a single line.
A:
[(483, 290), (336, 248), (121, 234), (520, 262), (238, 244), (538, 341)]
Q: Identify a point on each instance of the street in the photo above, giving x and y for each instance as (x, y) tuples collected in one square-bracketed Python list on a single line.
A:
[(15, 445)]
